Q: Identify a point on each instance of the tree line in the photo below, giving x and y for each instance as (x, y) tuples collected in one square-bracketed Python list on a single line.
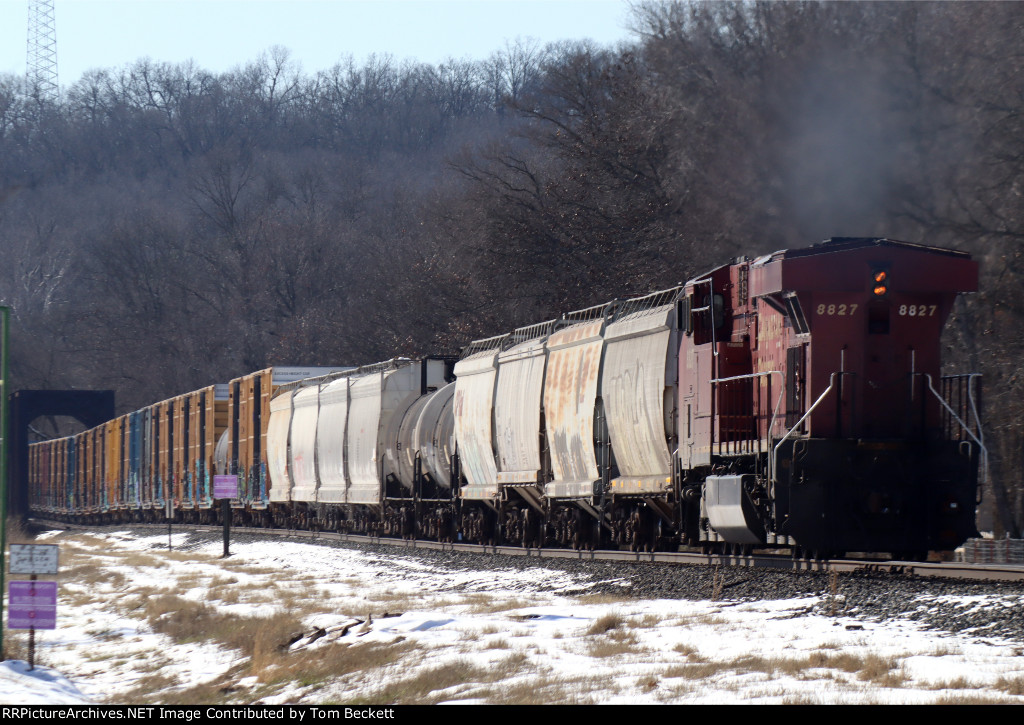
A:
[(164, 227)]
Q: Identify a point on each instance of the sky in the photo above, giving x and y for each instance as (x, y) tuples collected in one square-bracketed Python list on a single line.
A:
[(221, 34), (520, 634)]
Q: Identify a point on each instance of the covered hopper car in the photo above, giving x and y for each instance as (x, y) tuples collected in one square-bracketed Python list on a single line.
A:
[(793, 401)]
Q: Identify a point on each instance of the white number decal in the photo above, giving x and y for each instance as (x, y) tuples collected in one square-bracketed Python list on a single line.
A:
[(918, 310), (836, 310)]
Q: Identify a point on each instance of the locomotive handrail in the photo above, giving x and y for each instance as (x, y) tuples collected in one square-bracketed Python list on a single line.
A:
[(966, 428), (649, 302), (775, 452), (778, 404)]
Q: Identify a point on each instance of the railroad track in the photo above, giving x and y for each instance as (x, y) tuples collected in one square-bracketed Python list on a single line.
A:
[(943, 570)]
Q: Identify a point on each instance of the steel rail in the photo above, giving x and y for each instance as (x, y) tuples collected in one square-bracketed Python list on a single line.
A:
[(943, 570)]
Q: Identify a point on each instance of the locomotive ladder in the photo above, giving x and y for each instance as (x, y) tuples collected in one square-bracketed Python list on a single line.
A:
[(979, 438)]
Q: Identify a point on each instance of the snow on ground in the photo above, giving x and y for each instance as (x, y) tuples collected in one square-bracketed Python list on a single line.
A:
[(399, 629)]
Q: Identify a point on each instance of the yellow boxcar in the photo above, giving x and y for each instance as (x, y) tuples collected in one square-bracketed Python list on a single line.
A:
[(207, 422), (79, 487), (163, 452), (181, 409), (249, 409), (249, 415), (112, 464)]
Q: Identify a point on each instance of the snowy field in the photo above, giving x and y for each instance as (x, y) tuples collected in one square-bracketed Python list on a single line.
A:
[(138, 624)]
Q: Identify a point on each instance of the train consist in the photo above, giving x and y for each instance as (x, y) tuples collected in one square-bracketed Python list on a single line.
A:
[(794, 400)]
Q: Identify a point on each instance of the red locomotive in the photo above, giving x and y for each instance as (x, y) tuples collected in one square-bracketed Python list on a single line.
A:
[(812, 406)]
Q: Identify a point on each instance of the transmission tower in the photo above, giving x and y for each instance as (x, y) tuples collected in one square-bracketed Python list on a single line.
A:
[(41, 71)]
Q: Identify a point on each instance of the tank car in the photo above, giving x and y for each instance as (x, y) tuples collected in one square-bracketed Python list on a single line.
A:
[(361, 450)]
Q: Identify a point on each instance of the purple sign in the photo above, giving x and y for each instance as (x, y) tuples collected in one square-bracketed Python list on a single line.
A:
[(225, 486), (33, 605)]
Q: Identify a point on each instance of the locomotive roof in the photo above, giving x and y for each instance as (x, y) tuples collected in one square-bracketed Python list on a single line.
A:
[(843, 244)]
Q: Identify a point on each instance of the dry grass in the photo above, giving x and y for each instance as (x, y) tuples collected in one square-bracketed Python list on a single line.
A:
[(674, 691), (1011, 686), (16, 644), (250, 569), (151, 693), (844, 661), (605, 623), (883, 671), (546, 690), (880, 671), (429, 686), (91, 575), (494, 605), (318, 665), (694, 671), (603, 598), (617, 642), (970, 699), (706, 619), (649, 621), (455, 680), (149, 684), (224, 595), (274, 669), (960, 683), (185, 620), (687, 650), (140, 560), (646, 683), (187, 556)]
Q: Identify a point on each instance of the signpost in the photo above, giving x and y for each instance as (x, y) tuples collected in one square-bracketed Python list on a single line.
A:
[(169, 510), (34, 558), (225, 487), (33, 604)]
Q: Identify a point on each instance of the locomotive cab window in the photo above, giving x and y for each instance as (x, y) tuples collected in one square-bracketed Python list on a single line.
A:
[(796, 315), (711, 310)]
